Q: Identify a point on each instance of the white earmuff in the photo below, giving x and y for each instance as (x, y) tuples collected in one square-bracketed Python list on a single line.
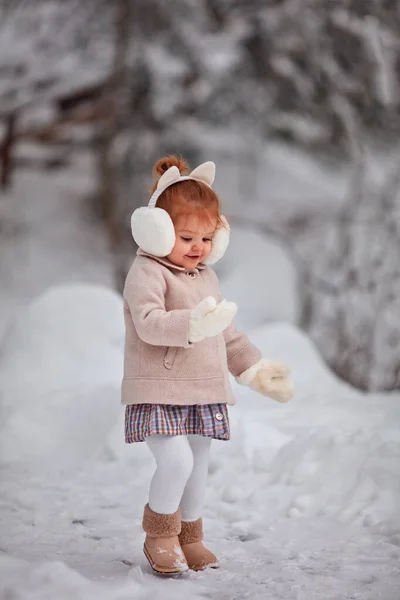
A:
[(219, 244), (153, 230)]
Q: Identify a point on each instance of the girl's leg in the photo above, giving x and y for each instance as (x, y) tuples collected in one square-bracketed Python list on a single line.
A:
[(174, 458), (197, 555), (192, 501)]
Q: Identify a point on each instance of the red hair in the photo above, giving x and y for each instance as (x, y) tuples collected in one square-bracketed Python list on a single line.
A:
[(186, 198)]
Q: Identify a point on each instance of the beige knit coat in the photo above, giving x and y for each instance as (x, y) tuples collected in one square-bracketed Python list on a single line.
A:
[(160, 365)]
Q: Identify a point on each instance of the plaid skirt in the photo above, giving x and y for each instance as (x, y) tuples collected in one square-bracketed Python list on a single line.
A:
[(209, 420)]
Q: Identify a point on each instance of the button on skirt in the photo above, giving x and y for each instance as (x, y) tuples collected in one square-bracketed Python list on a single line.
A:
[(209, 420)]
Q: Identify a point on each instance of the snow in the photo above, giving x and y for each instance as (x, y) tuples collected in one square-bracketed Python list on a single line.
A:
[(49, 376), (302, 503), (272, 180), (254, 261), (41, 57), (48, 235)]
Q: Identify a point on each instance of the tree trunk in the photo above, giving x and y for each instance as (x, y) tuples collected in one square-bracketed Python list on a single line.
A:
[(113, 106), (6, 150)]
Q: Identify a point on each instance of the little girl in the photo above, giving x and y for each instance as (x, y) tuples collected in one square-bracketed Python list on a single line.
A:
[(180, 344)]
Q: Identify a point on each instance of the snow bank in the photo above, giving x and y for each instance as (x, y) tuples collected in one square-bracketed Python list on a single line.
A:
[(61, 367), (331, 451), (261, 278), (56, 580)]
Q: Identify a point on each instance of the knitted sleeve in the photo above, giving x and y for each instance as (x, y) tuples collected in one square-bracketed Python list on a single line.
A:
[(144, 293)]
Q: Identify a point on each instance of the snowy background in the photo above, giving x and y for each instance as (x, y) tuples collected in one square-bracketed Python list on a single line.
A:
[(298, 105)]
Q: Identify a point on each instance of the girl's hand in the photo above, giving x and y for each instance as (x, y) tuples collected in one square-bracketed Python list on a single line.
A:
[(270, 379), (208, 318)]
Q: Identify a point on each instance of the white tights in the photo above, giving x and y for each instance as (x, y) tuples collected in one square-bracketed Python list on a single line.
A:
[(181, 474)]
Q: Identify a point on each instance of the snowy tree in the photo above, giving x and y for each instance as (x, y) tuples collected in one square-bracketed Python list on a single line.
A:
[(302, 70)]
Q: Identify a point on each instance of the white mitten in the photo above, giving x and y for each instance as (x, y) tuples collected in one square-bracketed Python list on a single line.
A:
[(269, 379), (209, 318)]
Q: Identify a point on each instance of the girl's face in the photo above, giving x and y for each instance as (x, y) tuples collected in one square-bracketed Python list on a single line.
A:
[(193, 241)]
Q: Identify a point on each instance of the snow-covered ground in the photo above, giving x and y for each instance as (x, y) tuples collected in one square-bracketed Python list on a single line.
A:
[(302, 503)]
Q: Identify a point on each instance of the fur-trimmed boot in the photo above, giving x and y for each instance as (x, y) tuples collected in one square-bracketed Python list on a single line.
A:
[(161, 546), (197, 555)]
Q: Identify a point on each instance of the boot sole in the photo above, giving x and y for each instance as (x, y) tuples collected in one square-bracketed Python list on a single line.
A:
[(203, 567), (157, 569)]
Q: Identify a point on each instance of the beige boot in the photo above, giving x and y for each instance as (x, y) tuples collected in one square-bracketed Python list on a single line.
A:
[(197, 555), (161, 546)]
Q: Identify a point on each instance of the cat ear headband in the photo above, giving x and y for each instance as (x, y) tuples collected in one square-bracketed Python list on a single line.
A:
[(152, 227)]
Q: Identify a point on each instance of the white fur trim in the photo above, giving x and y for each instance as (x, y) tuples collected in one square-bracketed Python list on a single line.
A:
[(269, 379), (153, 230), (205, 172), (272, 369), (247, 376)]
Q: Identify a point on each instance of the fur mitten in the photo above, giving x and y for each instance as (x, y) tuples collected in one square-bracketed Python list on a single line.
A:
[(269, 379), (209, 318)]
